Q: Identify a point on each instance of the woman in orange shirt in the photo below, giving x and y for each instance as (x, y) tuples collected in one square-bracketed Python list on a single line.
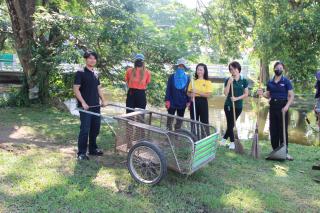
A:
[(137, 79)]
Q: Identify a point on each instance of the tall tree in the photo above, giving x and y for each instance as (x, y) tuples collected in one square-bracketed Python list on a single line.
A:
[(273, 30), (21, 14)]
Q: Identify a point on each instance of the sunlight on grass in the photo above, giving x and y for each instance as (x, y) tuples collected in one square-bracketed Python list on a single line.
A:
[(106, 179), (22, 132), (316, 203), (280, 171), (32, 173), (231, 154), (243, 199), (2, 209)]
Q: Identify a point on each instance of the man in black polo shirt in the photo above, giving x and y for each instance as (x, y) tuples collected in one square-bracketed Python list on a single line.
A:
[(88, 92)]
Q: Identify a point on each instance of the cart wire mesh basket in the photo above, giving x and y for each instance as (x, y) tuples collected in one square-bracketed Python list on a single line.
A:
[(187, 144)]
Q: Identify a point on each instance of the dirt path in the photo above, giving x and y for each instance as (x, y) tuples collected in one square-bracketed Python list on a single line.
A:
[(15, 138)]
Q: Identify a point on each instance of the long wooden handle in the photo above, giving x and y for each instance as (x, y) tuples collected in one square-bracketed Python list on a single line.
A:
[(233, 106), (194, 104), (259, 98), (193, 98), (284, 128)]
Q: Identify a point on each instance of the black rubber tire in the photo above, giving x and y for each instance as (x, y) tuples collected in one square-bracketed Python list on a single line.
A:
[(187, 133), (163, 161)]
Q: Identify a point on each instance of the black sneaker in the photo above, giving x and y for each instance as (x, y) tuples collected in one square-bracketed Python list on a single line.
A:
[(316, 167), (82, 157), (97, 152)]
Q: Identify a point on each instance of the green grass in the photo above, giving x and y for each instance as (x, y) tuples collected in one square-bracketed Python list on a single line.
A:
[(39, 173)]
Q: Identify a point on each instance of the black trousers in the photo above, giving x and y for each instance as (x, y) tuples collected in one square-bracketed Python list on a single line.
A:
[(276, 123), (202, 115), (136, 98), (89, 127), (180, 113), (230, 121)]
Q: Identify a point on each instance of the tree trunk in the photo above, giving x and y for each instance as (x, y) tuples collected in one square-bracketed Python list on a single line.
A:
[(264, 71), (21, 15), (3, 38)]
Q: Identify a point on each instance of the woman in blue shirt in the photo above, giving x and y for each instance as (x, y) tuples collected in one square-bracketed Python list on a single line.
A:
[(280, 93)]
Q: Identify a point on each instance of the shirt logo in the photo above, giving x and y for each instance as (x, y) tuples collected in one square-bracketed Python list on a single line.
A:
[(282, 85)]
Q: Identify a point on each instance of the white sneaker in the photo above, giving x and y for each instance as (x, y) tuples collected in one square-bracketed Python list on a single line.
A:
[(232, 146), (223, 142)]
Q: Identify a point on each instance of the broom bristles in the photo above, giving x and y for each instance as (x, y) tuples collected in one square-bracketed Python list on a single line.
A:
[(239, 149), (255, 149)]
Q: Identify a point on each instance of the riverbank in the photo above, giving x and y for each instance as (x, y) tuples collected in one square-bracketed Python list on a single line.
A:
[(39, 172)]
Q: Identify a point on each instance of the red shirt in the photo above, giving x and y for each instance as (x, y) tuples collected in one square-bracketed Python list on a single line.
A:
[(136, 82)]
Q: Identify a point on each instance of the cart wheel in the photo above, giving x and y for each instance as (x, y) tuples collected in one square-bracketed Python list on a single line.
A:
[(147, 163), (187, 133)]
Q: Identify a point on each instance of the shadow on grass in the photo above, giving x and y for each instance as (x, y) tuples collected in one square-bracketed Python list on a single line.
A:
[(43, 127)]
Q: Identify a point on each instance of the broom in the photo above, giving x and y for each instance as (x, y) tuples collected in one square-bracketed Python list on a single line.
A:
[(255, 148), (238, 146)]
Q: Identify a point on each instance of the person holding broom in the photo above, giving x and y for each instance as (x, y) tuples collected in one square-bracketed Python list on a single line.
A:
[(240, 92), (200, 94), (280, 93)]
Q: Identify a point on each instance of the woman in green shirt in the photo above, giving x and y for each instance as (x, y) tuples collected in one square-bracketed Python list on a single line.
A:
[(240, 89)]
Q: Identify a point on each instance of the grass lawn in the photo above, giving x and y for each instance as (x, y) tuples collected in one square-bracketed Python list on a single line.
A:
[(39, 173)]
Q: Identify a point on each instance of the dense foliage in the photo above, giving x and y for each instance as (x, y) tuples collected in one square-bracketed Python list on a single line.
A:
[(270, 30), (116, 30)]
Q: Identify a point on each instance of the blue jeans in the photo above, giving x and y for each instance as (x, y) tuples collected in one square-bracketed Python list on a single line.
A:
[(89, 127)]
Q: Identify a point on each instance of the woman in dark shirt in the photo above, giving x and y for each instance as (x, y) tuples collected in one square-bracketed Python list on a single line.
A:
[(241, 91), (280, 93)]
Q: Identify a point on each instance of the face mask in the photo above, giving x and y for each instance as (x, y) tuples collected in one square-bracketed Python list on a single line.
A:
[(180, 70), (278, 72)]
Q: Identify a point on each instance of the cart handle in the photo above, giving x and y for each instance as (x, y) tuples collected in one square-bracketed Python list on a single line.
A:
[(107, 119), (163, 114)]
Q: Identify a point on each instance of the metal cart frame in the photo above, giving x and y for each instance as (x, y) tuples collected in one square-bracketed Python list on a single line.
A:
[(153, 144)]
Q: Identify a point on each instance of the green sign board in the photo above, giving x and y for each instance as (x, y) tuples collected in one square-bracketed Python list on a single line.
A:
[(5, 57)]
